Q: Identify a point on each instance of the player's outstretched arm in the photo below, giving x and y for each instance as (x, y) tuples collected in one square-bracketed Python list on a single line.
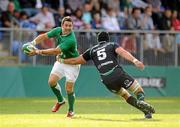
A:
[(73, 61), (40, 38), (125, 54), (51, 51)]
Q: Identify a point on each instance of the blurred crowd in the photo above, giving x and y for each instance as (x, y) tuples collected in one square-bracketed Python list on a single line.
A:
[(110, 15), (92, 14)]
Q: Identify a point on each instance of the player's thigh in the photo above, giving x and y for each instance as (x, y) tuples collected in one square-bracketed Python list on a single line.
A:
[(125, 80), (57, 73), (72, 73)]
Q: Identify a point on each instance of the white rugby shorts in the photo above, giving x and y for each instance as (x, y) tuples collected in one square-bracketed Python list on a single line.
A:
[(70, 72)]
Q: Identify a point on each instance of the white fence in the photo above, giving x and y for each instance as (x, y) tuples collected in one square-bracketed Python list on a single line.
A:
[(151, 47)]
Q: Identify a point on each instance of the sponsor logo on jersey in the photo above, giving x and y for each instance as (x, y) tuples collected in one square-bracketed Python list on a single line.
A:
[(127, 82)]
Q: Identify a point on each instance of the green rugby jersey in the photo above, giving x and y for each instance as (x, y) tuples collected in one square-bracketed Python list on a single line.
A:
[(67, 43)]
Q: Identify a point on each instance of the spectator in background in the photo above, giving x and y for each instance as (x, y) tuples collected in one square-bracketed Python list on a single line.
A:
[(24, 21), (175, 21), (110, 21), (122, 17), (167, 39), (155, 4), (59, 16), (129, 43), (115, 4), (96, 22), (74, 4), (17, 16), (156, 16), (147, 24), (9, 21), (166, 20), (77, 19), (134, 20), (68, 10), (153, 51), (8, 16), (22, 37), (3, 5), (44, 19), (97, 6), (87, 17)]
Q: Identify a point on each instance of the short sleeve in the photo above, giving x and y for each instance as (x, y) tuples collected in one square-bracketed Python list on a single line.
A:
[(115, 46), (87, 54), (54, 32)]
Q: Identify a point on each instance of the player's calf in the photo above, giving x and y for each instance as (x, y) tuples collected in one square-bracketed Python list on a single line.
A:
[(145, 107)]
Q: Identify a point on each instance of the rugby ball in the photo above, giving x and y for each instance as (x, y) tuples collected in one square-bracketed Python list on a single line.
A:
[(27, 48)]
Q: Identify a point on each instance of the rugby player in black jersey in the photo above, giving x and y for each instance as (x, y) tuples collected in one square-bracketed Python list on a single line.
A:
[(104, 55)]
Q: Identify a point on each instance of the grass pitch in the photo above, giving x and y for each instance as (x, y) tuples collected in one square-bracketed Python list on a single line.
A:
[(90, 112)]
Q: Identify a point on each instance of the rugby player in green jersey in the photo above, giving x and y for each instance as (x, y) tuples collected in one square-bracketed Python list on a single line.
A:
[(66, 48)]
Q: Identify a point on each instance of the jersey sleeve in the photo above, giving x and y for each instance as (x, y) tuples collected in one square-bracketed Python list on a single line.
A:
[(115, 46), (87, 55), (54, 32)]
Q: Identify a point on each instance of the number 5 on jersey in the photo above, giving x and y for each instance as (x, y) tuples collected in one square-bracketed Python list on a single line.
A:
[(101, 54)]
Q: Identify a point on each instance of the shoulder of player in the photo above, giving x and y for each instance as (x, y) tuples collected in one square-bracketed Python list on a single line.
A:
[(56, 29)]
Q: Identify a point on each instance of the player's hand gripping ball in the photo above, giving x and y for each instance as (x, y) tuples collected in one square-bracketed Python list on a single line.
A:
[(27, 48)]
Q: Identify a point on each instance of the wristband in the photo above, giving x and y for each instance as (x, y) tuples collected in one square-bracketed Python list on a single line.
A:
[(33, 42), (134, 60)]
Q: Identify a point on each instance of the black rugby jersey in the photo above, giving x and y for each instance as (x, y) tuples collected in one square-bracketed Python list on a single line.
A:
[(103, 55)]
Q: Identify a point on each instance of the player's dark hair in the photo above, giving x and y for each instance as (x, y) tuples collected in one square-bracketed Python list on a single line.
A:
[(67, 18), (103, 36)]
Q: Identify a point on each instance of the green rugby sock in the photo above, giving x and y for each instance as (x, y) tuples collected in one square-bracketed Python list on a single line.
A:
[(132, 101), (71, 100), (140, 96), (57, 91)]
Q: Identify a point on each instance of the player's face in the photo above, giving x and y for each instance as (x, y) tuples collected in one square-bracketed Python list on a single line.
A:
[(67, 27)]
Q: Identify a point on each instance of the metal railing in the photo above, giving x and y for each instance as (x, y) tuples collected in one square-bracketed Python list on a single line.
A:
[(151, 47)]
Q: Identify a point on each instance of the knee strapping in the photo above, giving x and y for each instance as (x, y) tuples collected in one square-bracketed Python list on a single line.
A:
[(123, 93), (136, 87)]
